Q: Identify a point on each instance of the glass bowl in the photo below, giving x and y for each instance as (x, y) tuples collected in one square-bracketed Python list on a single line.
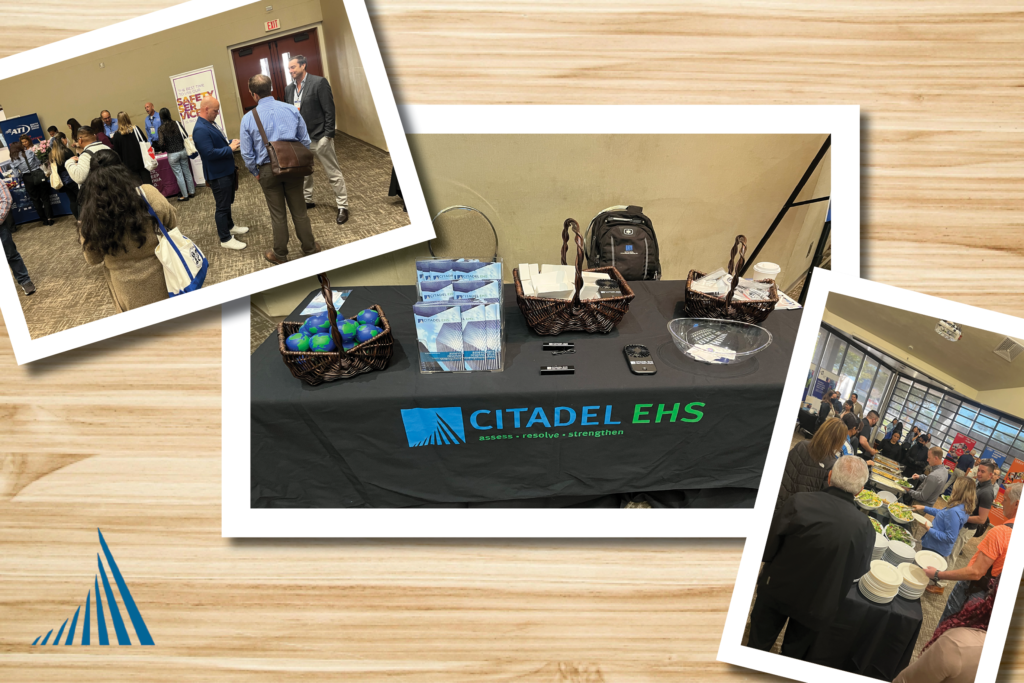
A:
[(718, 342)]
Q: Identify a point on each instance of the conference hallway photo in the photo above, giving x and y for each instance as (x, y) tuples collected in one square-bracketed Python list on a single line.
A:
[(206, 153)]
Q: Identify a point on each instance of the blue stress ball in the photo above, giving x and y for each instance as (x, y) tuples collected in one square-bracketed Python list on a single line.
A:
[(321, 342), (349, 345), (348, 329), (318, 323), (297, 342), (367, 332), (368, 317)]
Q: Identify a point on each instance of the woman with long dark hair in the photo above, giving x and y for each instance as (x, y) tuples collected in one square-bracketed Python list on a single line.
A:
[(126, 144), (101, 135), (170, 140), (59, 154), (73, 126), (118, 233), (24, 161)]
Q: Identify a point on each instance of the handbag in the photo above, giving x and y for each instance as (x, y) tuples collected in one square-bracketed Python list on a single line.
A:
[(287, 157), (148, 155), (55, 181), (184, 264), (190, 145)]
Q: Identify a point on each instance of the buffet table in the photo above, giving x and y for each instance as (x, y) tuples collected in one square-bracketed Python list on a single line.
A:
[(870, 639), (519, 435)]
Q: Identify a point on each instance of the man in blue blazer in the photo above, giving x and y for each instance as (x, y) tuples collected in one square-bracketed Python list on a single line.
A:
[(218, 155)]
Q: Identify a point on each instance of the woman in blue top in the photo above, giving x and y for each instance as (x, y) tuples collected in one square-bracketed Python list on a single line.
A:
[(24, 161), (948, 522)]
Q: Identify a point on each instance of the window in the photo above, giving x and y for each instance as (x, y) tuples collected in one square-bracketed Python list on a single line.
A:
[(877, 391), (285, 58), (834, 350)]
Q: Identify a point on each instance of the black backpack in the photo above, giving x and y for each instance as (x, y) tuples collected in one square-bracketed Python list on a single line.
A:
[(623, 237)]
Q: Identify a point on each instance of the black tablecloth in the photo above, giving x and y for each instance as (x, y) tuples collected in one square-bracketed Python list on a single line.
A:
[(344, 443), (870, 639)]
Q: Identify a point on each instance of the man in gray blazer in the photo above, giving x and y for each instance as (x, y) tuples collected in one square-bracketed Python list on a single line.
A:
[(312, 96)]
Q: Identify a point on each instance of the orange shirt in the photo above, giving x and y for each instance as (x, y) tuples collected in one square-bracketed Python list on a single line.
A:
[(994, 545)]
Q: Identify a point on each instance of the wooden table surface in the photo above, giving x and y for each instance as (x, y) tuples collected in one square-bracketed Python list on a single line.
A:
[(125, 435)]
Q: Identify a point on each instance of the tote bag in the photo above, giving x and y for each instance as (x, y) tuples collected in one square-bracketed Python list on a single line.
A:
[(55, 181), (190, 145), (184, 264), (148, 155)]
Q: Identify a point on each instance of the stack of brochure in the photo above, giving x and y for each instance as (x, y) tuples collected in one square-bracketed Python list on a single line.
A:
[(548, 281), (458, 316), (718, 283)]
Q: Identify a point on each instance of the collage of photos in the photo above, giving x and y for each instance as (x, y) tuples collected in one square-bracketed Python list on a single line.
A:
[(252, 152), (890, 529)]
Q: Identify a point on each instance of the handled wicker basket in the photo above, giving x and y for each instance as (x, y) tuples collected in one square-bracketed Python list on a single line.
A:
[(554, 316), (701, 305), (316, 368)]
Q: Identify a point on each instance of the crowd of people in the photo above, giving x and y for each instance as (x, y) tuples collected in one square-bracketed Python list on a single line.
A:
[(102, 169), (820, 542)]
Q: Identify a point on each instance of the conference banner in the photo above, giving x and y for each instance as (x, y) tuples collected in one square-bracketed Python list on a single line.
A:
[(189, 90), (24, 211)]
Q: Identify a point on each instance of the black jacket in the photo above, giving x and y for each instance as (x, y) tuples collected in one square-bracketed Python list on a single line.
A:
[(127, 147), (824, 412), (802, 474), (819, 543), (917, 456), (317, 106)]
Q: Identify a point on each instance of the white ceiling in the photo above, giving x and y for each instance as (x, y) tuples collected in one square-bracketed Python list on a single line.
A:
[(969, 360)]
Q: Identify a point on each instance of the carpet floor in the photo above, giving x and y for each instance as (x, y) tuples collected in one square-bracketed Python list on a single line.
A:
[(70, 293)]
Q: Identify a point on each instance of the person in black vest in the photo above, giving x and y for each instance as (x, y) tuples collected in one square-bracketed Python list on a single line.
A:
[(819, 543), (916, 458), (809, 462), (825, 409)]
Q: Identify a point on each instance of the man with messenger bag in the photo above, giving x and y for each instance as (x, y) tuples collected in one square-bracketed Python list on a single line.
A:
[(275, 148)]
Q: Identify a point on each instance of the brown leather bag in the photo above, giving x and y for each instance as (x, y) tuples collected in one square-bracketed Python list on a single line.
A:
[(287, 157)]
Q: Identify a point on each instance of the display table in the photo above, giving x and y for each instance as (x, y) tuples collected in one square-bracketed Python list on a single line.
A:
[(163, 177), (870, 639), (520, 435)]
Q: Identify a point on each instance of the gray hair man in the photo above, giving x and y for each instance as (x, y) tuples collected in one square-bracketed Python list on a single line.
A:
[(987, 563), (819, 543), (312, 96)]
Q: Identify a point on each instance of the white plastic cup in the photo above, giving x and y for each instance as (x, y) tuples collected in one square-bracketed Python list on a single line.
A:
[(766, 270)]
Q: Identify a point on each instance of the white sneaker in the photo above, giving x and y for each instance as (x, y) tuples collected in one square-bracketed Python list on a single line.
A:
[(233, 244), (239, 231)]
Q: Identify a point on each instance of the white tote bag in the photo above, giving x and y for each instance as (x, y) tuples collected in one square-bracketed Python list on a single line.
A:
[(190, 145), (55, 181), (184, 264), (148, 155)]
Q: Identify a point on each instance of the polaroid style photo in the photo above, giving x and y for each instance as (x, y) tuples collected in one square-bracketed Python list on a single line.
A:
[(541, 439), (886, 548), (171, 99)]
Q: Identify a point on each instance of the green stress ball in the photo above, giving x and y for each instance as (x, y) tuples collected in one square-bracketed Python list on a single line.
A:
[(297, 342), (349, 345), (321, 342), (368, 317), (318, 323), (348, 329), (367, 332)]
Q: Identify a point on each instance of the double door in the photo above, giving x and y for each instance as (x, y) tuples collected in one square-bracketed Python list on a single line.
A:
[(271, 58)]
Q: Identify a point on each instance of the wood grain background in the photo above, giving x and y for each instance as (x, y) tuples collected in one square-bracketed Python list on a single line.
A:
[(125, 434)]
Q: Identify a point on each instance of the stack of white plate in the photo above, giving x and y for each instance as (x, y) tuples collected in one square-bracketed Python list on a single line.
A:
[(881, 584), (927, 558), (881, 543), (898, 552), (914, 581)]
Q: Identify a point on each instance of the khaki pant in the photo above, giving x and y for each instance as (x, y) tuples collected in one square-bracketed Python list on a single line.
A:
[(324, 149), (282, 192)]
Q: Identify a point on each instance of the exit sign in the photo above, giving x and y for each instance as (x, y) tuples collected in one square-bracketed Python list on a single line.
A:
[(273, 25)]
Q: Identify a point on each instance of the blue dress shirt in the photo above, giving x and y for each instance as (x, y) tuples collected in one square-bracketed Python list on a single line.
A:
[(281, 121), (152, 126), (111, 129), (26, 163)]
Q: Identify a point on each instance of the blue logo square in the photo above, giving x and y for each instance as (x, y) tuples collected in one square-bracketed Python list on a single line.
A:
[(629, 247), (434, 426)]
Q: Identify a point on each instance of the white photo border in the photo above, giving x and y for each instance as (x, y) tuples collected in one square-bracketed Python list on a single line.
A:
[(419, 229), (238, 519), (822, 284)]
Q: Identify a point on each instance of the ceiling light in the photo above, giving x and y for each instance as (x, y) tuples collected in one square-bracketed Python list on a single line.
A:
[(948, 330)]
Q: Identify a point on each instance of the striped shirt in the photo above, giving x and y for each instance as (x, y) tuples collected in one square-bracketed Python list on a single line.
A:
[(5, 201), (281, 121)]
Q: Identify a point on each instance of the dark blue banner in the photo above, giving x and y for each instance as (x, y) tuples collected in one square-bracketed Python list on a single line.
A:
[(24, 212)]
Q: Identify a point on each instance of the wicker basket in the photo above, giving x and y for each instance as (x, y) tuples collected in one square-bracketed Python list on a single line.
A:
[(554, 316), (701, 305), (316, 368)]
